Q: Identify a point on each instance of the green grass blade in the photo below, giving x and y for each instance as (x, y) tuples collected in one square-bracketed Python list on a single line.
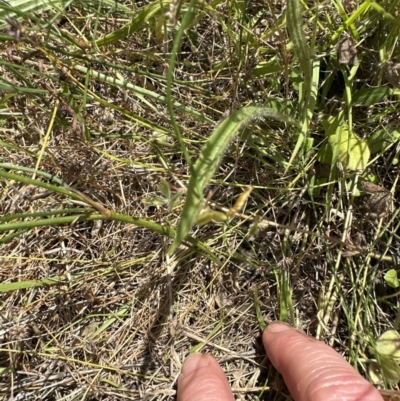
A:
[(310, 72), (23, 285), (11, 8), (140, 91), (37, 183), (209, 159), (260, 318), (170, 103), (300, 46), (137, 23)]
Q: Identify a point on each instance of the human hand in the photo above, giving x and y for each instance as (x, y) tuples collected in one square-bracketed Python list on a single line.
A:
[(312, 371)]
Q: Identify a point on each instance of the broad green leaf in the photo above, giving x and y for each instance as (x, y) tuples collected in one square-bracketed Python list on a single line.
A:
[(383, 138), (370, 96), (388, 344), (352, 151), (392, 279), (325, 154), (388, 370), (266, 68), (164, 188), (209, 158)]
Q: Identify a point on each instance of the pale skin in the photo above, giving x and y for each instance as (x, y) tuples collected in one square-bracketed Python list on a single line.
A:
[(312, 371)]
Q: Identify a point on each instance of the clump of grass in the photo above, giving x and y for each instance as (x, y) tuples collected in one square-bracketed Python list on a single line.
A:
[(120, 123)]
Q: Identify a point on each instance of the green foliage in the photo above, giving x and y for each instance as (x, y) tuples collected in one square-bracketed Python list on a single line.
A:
[(209, 158), (300, 45), (257, 307), (391, 278), (167, 71), (167, 198), (383, 139), (132, 27), (208, 215), (308, 88), (387, 350), (371, 96), (343, 146)]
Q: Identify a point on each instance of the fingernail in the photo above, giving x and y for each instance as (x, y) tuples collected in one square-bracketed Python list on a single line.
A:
[(278, 327), (193, 362)]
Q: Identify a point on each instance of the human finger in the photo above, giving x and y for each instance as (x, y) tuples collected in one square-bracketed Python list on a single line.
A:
[(312, 370), (202, 379)]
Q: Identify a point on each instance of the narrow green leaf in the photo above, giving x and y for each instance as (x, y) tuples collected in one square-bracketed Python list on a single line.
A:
[(300, 45), (137, 23), (111, 383), (139, 91), (209, 159), (154, 200), (12, 8), (308, 112), (259, 315), (210, 215), (216, 330), (23, 285), (109, 322)]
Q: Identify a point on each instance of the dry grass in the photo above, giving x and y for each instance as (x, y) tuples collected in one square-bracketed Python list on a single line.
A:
[(99, 309)]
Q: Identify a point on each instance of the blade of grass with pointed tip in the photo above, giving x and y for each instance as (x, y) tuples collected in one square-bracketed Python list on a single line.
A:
[(23, 285), (308, 112), (136, 24), (259, 315), (303, 53), (210, 157), (140, 92), (188, 17), (26, 8), (300, 45)]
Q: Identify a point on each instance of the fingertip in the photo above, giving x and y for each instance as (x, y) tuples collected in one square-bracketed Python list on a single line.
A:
[(311, 369), (202, 379), (274, 338), (195, 361), (278, 327)]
